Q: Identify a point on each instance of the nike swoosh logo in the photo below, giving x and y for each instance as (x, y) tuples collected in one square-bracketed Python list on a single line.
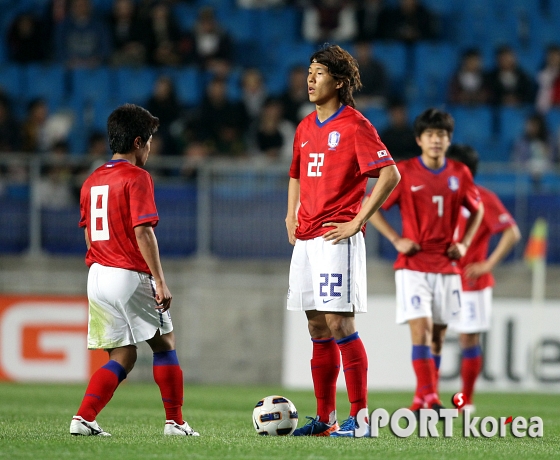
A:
[(327, 301), (415, 188), (303, 144)]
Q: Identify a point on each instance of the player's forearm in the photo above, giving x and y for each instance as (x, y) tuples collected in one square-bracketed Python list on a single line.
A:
[(293, 198), (510, 237), (383, 227), (472, 226), (86, 236), (389, 177), (147, 243)]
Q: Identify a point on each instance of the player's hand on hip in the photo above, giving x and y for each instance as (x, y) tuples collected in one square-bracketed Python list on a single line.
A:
[(456, 250), (163, 297), (477, 269), (406, 246), (341, 230), (291, 225)]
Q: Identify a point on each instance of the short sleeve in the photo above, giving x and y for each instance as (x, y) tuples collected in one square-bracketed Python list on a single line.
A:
[(371, 153), (142, 202)]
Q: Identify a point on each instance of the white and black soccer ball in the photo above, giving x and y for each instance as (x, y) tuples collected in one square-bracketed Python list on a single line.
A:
[(275, 416)]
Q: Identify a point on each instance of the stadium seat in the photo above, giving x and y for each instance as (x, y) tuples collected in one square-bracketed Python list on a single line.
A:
[(134, 85), (434, 66), (393, 56), (511, 124), (279, 25), (11, 80), (553, 122), (185, 15), (46, 81), (92, 84), (377, 116), (474, 126), (188, 85)]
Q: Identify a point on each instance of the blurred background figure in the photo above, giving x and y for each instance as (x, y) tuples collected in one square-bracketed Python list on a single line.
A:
[(367, 17), (259, 3), (164, 104), (410, 21), (9, 127), (535, 150), (399, 136), (82, 40), (468, 84), (33, 136), (375, 91), (54, 189), (329, 21), (253, 92), (126, 34), (27, 39), (508, 83), (212, 44), (162, 36), (548, 80), (295, 99), (271, 135)]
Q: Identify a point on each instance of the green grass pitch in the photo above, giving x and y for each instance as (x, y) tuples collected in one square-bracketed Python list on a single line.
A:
[(34, 421)]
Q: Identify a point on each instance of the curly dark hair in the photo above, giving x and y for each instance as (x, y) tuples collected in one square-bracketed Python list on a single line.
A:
[(433, 119), (343, 67), (126, 123)]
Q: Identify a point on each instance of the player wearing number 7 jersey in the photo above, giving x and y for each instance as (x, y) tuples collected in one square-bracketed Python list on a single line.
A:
[(427, 276), (336, 149), (128, 298)]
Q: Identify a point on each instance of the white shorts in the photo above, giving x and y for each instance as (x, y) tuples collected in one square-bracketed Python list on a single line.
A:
[(474, 316), (122, 308), (329, 277), (427, 295)]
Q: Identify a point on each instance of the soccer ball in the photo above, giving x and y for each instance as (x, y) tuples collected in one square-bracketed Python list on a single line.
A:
[(275, 416)]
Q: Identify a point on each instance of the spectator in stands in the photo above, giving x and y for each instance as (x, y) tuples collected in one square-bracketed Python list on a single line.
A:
[(164, 104), (81, 39), (33, 129), (162, 37), (126, 33), (27, 40), (367, 17), (399, 136), (253, 92), (548, 79), (375, 89), (535, 151), (508, 83), (409, 22), (260, 3), (295, 99), (329, 21), (468, 84), (212, 44), (271, 135), (221, 123), (54, 189), (9, 127)]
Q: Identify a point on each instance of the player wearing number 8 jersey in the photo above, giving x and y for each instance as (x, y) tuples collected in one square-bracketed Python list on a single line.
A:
[(430, 196), (335, 151), (127, 293)]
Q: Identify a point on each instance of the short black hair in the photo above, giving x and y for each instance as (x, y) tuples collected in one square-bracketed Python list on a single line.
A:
[(433, 119), (465, 154), (128, 122)]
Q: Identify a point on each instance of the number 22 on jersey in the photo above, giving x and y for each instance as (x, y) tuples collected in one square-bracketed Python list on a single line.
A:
[(98, 212), (315, 163)]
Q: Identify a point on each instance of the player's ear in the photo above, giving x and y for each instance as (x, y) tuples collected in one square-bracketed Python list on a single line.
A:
[(137, 142)]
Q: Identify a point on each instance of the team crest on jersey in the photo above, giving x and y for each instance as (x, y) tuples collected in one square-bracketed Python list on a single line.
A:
[(453, 183), (334, 139), (415, 301)]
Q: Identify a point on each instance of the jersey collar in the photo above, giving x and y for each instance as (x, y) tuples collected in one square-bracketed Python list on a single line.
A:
[(334, 115), (434, 171)]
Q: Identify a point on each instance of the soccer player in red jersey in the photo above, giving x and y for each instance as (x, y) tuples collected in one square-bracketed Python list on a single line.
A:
[(335, 150), (428, 283), (477, 266), (128, 297)]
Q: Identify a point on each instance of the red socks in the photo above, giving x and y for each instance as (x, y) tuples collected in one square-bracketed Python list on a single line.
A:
[(169, 378), (325, 366), (425, 370), (471, 365), (100, 389), (355, 362)]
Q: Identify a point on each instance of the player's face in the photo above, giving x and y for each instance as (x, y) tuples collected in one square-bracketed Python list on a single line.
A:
[(143, 152), (321, 86), (434, 142)]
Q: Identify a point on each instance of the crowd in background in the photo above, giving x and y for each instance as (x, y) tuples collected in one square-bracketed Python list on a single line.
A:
[(257, 122)]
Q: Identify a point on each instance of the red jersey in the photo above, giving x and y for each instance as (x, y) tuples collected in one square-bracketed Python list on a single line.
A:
[(332, 161), (114, 199), (430, 203), (496, 220)]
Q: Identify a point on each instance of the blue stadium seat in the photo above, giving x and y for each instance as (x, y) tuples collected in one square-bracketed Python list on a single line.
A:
[(46, 81), (92, 84), (511, 124), (188, 85), (11, 80), (185, 15), (553, 122), (393, 56), (474, 126), (279, 25), (378, 117), (134, 85), (434, 66)]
